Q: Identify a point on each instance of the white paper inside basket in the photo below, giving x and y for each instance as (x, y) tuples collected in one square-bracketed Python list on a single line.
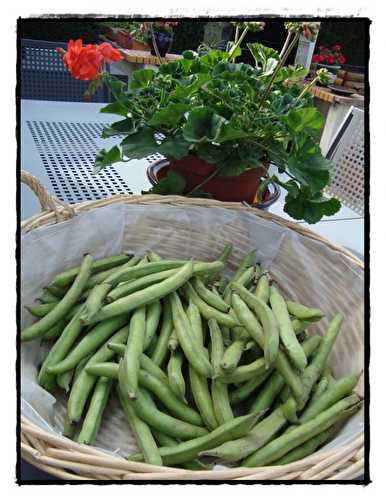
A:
[(307, 271)]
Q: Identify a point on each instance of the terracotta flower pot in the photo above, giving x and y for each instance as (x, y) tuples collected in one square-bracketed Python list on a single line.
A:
[(136, 45), (225, 188), (124, 39)]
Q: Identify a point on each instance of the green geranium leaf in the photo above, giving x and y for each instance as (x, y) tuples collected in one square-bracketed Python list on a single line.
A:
[(310, 208), (170, 116), (228, 133), (115, 108), (291, 73), (189, 54), (175, 147), (173, 183), (203, 124), (213, 57), (194, 84), (140, 144), (105, 158), (127, 127), (265, 57), (303, 120), (142, 78), (312, 171)]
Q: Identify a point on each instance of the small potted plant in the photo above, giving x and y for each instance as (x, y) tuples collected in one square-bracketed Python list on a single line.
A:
[(221, 124), (159, 36), (139, 35), (330, 58)]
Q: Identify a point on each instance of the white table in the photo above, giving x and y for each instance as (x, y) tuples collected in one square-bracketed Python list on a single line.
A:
[(55, 135)]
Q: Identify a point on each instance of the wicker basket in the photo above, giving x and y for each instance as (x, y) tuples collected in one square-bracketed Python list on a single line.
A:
[(69, 460)]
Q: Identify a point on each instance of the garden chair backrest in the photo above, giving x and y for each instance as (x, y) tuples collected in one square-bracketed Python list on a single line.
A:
[(347, 153), (43, 75)]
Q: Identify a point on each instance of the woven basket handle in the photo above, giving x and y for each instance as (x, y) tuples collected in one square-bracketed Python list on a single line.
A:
[(47, 202)]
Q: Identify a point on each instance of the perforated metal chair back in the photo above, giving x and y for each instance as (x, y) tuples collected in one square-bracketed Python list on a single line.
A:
[(45, 77), (347, 153)]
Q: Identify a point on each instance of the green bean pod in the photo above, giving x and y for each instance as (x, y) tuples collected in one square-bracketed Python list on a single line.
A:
[(58, 352), (64, 380), (342, 388), (163, 392), (153, 316), (159, 354), (202, 398), (262, 291), (287, 335), (244, 391), (232, 355), (318, 363), (194, 317), (142, 432), (88, 344), (194, 353), (47, 298), (207, 311), (208, 296), (176, 379), (148, 295), (164, 440), (286, 442), (133, 351), (221, 405), (244, 372), (137, 284), (189, 450), (237, 449), (246, 262), (153, 256), (107, 369), (93, 418), (305, 449), (163, 422), (56, 331), (303, 312), (268, 336), (145, 362), (84, 382), (173, 341), (41, 310), (39, 328), (276, 382), (68, 276)]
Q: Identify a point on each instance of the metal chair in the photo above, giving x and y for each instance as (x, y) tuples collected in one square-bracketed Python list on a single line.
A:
[(45, 77), (347, 153)]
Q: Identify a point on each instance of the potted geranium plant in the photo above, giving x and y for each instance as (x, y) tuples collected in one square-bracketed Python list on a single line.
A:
[(223, 123), (330, 58)]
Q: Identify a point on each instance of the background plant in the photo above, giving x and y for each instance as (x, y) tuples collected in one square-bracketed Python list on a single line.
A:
[(332, 55)]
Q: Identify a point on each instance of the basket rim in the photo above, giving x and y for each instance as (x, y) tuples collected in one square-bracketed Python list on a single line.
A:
[(58, 455), (48, 217)]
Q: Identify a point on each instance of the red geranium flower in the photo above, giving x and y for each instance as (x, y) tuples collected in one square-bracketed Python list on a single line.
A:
[(109, 53), (317, 58), (85, 61), (341, 59)]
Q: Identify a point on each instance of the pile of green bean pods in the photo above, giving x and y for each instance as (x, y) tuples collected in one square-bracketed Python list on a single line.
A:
[(207, 367)]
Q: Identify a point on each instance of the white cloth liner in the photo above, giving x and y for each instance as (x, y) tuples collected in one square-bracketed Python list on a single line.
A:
[(201, 233)]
